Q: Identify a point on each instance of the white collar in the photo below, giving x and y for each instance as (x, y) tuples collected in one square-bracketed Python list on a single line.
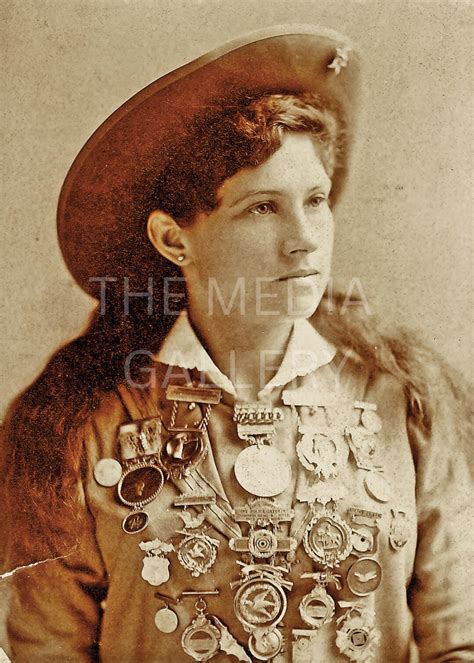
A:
[(306, 351)]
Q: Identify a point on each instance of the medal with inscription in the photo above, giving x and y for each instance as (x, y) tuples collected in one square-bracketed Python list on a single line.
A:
[(327, 539), (200, 639), (365, 531)]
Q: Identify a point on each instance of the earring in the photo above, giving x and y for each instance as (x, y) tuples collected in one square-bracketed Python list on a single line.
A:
[(180, 258)]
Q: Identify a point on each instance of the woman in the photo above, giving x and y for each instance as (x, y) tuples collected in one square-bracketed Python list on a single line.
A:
[(205, 474)]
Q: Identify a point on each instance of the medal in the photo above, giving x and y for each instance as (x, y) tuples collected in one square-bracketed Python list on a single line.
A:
[(368, 416), (135, 522), (317, 607), (197, 552), (166, 620), (322, 492), (378, 487), (200, 639), (265, 646), (263, 543), (356, 636), (140, 483), (260, 602), (182, 451), (363, 447), (364, 531), (327, 539), (302, 646), (107, 472), (364, 576), (400, 528), (323, 453), (140, 438), (155, 565), (262, 470)]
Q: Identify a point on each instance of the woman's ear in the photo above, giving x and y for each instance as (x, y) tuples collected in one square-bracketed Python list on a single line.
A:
[(167, 237)]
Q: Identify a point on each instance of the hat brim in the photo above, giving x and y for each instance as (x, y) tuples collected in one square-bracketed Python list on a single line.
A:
[(96, 209)]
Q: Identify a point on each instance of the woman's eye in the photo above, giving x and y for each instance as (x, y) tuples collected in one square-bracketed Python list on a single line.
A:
[(318, 200), (262, 209)]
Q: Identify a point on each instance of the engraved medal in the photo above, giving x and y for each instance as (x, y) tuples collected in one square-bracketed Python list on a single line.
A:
[(317, 607), (323, 453), (135, 522), (327, 539), (155, 565), (364, 576), (356, 636), (364, 531)]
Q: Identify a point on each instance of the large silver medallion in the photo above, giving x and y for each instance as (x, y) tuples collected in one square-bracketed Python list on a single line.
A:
[(327, 539), (262, 470)]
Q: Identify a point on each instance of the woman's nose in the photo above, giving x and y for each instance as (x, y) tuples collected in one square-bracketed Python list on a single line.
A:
[(306, 230)]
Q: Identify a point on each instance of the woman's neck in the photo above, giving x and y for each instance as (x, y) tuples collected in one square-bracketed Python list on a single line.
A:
[(247, 350)]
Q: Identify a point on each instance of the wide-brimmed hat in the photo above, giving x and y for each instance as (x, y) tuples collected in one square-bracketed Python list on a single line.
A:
[(100, 232)]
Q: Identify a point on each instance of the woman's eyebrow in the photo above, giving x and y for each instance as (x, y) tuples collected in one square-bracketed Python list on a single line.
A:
[(248, 194)]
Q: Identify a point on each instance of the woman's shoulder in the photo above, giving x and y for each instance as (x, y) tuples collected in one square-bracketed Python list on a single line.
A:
[(432, 388)]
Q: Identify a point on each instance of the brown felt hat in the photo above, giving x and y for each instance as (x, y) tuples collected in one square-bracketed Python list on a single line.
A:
[(99, 231)]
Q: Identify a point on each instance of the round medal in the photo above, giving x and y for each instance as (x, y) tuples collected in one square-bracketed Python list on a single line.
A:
[(166, 620), (262, 470), (378, 487), (364, 576), (327, 539), (200, 639), (266, 646), (140, 484), (371, 421), (197, 553), (317, 607), (135, 522), (260, 603), (107, 472)]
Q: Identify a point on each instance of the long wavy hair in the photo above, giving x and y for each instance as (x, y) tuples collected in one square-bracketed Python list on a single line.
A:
[(42, 452)]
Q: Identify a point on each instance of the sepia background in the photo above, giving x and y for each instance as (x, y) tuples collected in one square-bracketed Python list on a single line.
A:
[(403, 227)]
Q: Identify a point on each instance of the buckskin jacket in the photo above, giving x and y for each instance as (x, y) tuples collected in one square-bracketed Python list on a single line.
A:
[(397, 589)]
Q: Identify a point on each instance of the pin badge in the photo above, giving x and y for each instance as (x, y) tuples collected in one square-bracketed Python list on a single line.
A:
[(135, 522), (400, 528), (364, 531), (107, 472), (364, 576), (378, 487), (327, 539), (155, 565), (323, 453), (356, 636)]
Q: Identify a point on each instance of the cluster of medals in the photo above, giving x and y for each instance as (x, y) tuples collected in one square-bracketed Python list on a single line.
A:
[(153, 452)]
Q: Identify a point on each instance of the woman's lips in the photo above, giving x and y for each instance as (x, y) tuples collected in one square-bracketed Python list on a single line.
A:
[(300, 274)]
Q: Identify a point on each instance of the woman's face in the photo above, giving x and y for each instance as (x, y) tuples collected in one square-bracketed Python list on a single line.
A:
[(266, 250)]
